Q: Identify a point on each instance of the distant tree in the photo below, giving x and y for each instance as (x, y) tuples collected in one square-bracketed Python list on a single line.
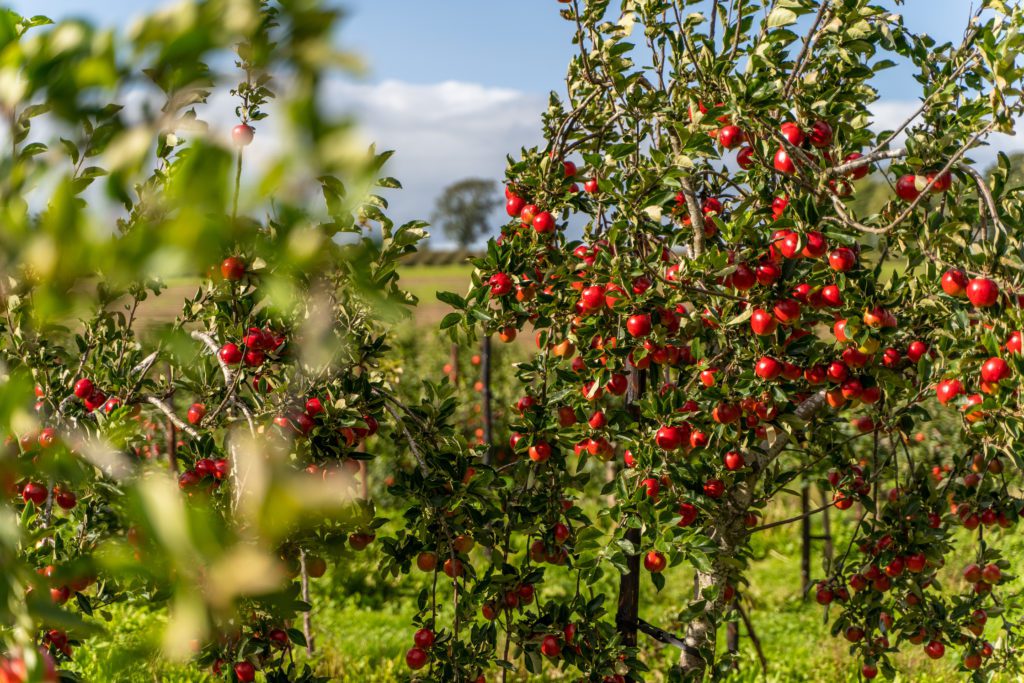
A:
[(464, 209), (1013, 167), (872, 193)]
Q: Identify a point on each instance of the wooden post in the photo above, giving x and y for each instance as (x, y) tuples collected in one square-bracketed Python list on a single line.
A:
[(826, 529), (307, 619), (453, 361), (805, 542), (485, 379), (629, 583)]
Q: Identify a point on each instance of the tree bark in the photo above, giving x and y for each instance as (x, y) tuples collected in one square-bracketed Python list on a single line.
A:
[(628, 613), (729, 533), (805, 540)]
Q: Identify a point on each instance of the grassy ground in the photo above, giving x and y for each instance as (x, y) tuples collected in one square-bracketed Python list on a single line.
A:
[(362, 623)]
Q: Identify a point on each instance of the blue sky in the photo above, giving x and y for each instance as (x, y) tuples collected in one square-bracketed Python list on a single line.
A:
[(520, 44), (455, 85)]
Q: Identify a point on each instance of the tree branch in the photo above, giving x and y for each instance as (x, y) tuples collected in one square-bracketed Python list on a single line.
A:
[(169, 412)]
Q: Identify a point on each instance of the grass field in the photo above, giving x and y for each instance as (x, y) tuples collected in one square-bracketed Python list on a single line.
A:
[(362, 623)]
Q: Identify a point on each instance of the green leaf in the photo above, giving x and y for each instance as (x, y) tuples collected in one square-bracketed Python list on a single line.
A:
[(781, 17), (452, 299)]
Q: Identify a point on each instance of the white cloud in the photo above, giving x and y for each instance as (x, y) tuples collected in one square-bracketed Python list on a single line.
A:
[(888, 114), (441, 133)]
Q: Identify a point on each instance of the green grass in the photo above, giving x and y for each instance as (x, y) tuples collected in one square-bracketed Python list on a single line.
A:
[(425, 281), (363, 623)]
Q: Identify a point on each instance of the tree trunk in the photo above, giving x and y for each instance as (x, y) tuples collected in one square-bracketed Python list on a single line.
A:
[(729, 532), (805, 540), (628, 613)]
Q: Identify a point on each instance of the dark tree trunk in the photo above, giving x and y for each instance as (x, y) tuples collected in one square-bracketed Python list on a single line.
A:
[(805, 541), (629, 583)]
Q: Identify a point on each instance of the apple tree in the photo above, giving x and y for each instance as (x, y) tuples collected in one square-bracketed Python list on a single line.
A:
[(729, 325), (193, 451)]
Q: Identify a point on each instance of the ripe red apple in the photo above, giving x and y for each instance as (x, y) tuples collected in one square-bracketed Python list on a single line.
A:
[(84, 388), (566, 416), (842, 259), (821, 134), (196, 412), (768, 272), (514, 206), (787, 311), (540, 451), (791, 131), (954, 282), (66, 500), (733, 460), (423, 638), (763, 323), (972, 573), (687, 514), (916, 350), (991, 574), (527, 214), (416, 658), (783, 163), (232, 268), (500, 284), (426, 561), (935, 649), (745, 157), (941, 184), (550, 647), (245, 672), (816, 244), (639, 325), (242, 135), (948, 389), (982, 292), (743, 278), (544, 222), (655, 562), (907, 187), (714, 488), (230, 353), (994, 370), (725, 413), (895, 567), (669, 438), (1015, 343), (831, 296), (730, 136), (768, 368), (592, 297), (36, 493), (591, 186), (916, 562)]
